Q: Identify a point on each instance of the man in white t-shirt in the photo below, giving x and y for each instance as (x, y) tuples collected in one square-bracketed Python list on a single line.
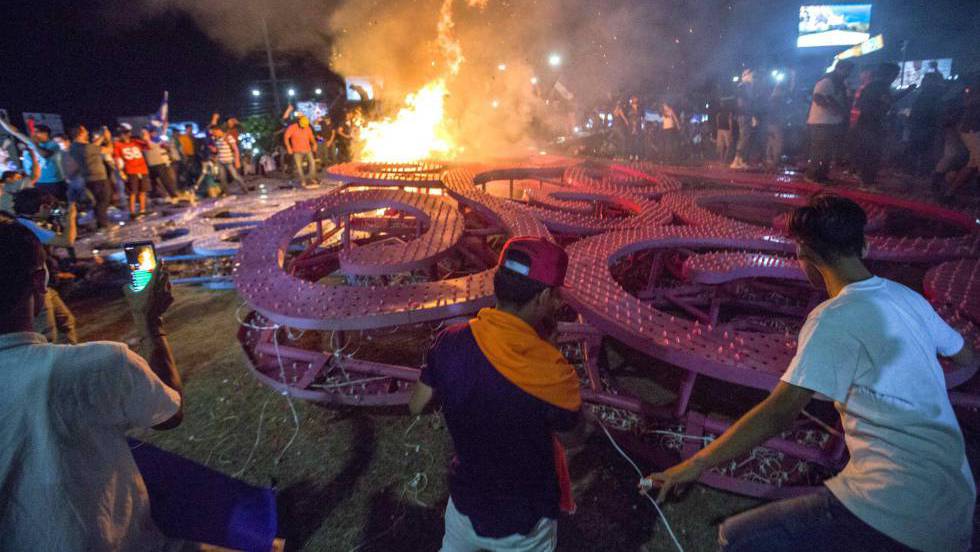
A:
[(872, 348), (827, 121), (68, 478)]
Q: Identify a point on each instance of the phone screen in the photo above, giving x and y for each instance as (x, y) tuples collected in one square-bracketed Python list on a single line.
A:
[(141, 257)]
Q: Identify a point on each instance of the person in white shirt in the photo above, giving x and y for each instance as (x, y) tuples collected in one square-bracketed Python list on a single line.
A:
[(827, 121), (871, 348), (68, 478)]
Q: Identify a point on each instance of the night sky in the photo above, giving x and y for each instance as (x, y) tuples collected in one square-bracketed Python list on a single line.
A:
[(58, 57), (62, 57)]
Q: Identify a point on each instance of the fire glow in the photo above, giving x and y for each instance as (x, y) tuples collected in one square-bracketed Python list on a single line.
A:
[(420, 130)]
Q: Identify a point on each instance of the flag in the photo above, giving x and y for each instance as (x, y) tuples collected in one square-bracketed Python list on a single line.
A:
[(563, 92), (160, 118)]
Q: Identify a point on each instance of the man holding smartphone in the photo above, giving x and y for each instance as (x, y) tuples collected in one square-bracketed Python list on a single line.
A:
[(68, 476)]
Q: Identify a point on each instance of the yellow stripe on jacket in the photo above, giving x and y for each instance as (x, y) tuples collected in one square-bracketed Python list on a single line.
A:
[(519, 354)]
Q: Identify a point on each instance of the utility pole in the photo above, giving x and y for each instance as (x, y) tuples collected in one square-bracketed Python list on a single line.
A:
[(272, 66)]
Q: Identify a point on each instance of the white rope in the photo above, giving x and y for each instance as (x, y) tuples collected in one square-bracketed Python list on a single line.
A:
[(255, 445), (640, 472), (705, 439), (289, 398), (282, 378), (349, 383)]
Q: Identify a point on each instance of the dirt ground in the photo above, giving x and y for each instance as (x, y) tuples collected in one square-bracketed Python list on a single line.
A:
[(370, 479)]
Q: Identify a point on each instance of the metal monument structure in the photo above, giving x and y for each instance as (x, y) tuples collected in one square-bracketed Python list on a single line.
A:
[(688, 268)]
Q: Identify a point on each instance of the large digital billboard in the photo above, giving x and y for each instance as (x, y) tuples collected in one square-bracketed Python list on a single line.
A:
[(834, 25), (914, 71)]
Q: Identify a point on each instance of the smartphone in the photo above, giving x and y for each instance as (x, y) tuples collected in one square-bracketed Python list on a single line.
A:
[(141, 257)]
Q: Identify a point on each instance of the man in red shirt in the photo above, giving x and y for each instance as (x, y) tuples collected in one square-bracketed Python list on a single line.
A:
[(301, 144), (128, 152)]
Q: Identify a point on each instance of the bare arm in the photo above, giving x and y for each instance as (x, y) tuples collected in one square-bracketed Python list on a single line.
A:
[(31, 149), (965, 357), (148, 306), (421, 397), (67, 238), (35, 166), (766, 419)]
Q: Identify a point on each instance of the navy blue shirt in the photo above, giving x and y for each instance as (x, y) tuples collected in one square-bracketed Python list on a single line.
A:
[(503, 474)]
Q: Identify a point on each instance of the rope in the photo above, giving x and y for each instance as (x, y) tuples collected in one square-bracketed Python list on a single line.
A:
[(289, 399), (640, 472), (282, 378)]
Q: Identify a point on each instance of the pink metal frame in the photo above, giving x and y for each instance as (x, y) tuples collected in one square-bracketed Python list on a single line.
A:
[(716, 251)]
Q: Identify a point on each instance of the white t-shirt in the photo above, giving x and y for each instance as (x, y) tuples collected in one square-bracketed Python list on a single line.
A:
[(820, 115), (872, 349), (68, 478), (8, 191)]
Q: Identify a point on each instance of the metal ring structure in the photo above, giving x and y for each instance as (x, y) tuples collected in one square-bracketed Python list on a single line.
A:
[(716, 251), (282, 299), (423, 175), (219, 231), (291, 301), (643, 179), (688, 207), (565, 211), (170, 230)]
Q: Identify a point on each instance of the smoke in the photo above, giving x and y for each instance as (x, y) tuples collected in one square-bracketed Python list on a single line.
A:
[(298, 26), (606, 47)]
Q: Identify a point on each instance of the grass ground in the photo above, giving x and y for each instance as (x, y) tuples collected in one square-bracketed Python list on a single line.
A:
[(350, 479)]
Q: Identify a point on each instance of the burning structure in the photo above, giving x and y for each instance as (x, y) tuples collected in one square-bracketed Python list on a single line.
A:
[(693, 276)]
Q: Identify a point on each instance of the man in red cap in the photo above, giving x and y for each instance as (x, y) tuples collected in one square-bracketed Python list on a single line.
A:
[(505, 391)]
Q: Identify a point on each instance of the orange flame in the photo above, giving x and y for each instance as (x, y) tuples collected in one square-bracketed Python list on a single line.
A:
[(420, 129)]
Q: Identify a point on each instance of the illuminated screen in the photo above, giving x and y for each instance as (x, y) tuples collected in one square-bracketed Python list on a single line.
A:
[(142, 261), (355, 84), (312, 110), (913, 71), (836, 25)]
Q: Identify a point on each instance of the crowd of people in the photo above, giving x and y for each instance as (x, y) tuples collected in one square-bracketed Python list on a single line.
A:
[(131, 167), (852, 121)]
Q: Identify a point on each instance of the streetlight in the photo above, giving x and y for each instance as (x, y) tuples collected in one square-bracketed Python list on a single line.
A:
[(554, 60), (318, 91), (256, 92), (291, 92), (534, 80), (502, 67)]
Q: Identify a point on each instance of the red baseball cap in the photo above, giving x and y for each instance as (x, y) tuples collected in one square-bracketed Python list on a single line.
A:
[(535, 258)]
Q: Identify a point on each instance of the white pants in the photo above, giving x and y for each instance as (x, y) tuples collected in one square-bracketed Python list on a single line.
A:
[(460, 536)]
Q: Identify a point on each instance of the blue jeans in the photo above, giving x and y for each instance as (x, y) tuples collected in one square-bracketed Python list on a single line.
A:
[(813, 523)]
